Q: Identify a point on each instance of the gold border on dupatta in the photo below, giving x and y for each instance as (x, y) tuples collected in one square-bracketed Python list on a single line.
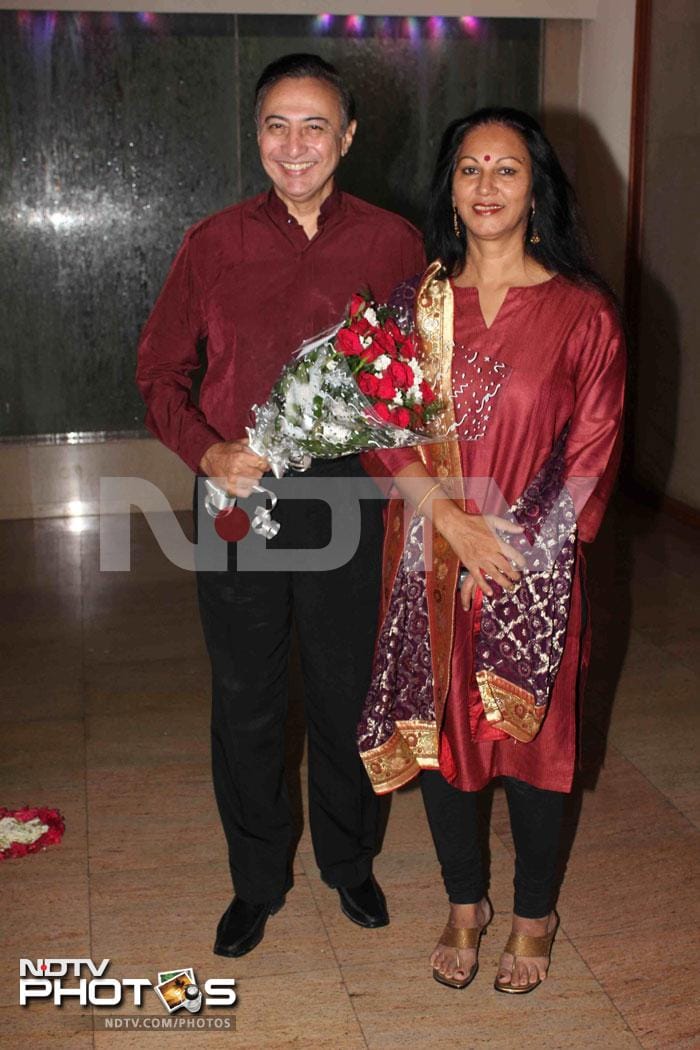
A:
[(508, 707), (412, 746), (435, 324)]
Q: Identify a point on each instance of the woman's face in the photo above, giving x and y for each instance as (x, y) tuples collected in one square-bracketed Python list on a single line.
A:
[(492, 183)]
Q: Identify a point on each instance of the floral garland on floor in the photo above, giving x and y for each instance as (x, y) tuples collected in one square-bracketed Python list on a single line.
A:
[(28, 830)]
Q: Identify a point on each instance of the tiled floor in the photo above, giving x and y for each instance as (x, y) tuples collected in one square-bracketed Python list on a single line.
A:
[(104, 714)]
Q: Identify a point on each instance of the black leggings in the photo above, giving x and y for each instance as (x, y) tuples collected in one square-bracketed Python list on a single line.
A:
[(535, 821)]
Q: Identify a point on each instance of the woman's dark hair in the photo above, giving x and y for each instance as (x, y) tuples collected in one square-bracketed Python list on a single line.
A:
[(562, 247), (301, 65)]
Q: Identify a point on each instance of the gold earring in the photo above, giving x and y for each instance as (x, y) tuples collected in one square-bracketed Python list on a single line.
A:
[(534, 236), (455, 222)]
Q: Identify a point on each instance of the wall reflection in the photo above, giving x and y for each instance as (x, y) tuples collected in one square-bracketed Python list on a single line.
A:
[(119, 130)]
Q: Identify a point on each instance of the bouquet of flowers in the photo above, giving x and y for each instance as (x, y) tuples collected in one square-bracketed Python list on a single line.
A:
[(356, 387)]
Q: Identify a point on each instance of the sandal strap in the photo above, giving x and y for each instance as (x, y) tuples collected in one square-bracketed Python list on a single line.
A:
[(461, 936), (520, 944)]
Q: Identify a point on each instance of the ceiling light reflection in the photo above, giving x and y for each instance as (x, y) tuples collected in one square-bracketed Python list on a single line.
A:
[(66, 219)]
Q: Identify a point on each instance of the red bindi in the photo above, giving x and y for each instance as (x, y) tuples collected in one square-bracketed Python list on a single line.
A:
[(487, 156)]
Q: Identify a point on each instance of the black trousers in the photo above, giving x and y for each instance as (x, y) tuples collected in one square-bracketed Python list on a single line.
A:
[(535, 820), (247, 621)]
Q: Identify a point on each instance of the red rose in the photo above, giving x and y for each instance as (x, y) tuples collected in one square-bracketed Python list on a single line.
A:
[(362, 326), (386, 389), (401, 416), (371, 352), (393, 329), (382, 411), (368, 383), (348, 342), (385, 343), (427, 393), (357, 305), (408, 347), (400, 374)]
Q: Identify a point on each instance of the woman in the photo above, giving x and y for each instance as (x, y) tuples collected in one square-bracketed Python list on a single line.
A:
[(476, 672)]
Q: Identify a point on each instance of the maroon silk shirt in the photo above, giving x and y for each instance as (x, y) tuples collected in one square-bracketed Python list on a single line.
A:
[(250, 282)]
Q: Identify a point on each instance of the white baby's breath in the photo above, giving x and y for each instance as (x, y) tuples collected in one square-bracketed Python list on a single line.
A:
[(381, 363)]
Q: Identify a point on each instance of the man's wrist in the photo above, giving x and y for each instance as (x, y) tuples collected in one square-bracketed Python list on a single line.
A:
[(205, 462)]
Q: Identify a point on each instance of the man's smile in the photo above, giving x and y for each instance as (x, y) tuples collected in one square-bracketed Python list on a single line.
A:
[(294, 167)]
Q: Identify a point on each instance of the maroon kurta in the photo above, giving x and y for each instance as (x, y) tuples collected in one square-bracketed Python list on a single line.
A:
[(250, 282), (564, 346)]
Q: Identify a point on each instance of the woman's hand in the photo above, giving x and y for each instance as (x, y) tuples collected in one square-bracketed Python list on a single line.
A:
[(466, 592), (236, 465), (474, 541)]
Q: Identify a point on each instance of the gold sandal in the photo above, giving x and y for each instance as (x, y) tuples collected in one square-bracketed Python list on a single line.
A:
[(461, 937), (532, 947)]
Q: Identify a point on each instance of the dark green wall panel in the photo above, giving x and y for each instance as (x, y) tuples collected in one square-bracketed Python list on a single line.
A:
[(119, 131)]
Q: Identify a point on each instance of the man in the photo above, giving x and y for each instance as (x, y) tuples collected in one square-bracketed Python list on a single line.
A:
[(255, 280)]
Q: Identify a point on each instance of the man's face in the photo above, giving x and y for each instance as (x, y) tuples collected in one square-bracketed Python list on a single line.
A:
[(301, 139)]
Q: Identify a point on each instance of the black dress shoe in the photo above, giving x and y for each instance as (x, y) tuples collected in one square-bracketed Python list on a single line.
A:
[(364, 904), (242, 926)]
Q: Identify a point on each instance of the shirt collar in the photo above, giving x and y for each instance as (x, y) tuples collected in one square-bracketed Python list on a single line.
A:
[(278, 209)]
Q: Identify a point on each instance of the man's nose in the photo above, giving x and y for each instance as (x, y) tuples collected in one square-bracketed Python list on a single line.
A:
[(295, 141)]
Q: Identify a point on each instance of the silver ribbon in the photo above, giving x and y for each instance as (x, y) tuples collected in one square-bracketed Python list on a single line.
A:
[(263, 523), (217, 500)]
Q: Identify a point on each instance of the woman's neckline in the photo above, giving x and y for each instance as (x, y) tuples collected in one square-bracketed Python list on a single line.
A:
[(510, 288), (502, 310)]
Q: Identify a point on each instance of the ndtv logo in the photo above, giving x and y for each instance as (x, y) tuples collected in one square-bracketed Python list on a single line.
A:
[(44, 979)]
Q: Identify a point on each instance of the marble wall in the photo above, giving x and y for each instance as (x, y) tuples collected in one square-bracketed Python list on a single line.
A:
[(121, 130)]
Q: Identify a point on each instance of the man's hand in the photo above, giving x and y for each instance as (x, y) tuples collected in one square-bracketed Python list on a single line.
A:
[(238, 467)]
